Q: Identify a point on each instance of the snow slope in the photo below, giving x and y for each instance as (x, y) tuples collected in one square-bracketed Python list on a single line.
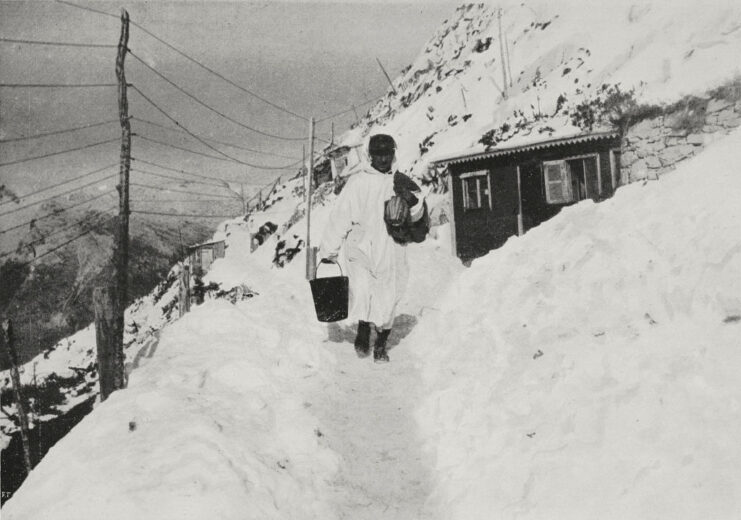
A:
[(585, 370), (589, 369), (453, 92)]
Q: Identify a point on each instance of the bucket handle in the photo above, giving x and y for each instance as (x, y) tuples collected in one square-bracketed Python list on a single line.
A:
[(327, 261)]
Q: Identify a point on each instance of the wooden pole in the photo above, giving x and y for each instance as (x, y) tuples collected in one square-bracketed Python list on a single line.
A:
[(387, 76), (501, 54), (106, 340), (241, 192), (357, 119), (309, 192), (110, 302), (20, 402)]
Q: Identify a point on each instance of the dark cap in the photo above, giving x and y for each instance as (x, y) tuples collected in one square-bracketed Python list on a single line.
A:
[(381, 144)]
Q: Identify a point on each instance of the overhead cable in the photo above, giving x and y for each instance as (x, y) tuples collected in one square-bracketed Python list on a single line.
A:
[(18, 161), (200, 175), (67, 242), (76, 188), (214, 140), (56, 85), (57, 44), (47, 188), (164, 188), (88, 9), (209, 107), (57, 132), (58, 231), (191, 215), (162, 111), (232, 83), (57, 211)]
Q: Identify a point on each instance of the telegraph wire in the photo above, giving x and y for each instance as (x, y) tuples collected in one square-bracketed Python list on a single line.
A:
[(88, 9), (214, 140), (90, 230), (179, 179), (76, 188), (180, 214), (163, 143), (60, 184), (58, 44), (18, 161), (219, 179), (57, 132), (352, 108), (163, 188), (60, 230), (57, 85), (247, 91), (57, 212), (201, 140), (209, 107)]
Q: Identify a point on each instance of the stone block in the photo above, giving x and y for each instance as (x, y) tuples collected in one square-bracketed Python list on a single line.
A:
[(716, 105), (652, 162), (728, 118), (674, 154), (696, 139), (674, 141), (638, 171), (644, 130)]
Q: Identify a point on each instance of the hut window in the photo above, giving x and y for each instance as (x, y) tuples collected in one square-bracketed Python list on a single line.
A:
[(476, 190), (569, 180)]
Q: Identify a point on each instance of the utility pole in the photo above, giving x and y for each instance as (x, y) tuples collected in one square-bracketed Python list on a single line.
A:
[(387, 76), (501, 54), (310, 259), (110, 302), (241, 191), (20, 402)]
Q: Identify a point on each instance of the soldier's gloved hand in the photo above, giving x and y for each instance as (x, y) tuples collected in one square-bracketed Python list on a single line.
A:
[(405, 188)]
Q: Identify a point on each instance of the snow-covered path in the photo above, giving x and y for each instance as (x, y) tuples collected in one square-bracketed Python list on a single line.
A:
[(367, 410), (367, 416)]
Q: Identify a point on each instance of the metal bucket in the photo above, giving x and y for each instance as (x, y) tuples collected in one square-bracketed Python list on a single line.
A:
[(330, 295)]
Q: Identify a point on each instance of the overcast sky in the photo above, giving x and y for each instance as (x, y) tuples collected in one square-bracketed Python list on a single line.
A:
[(311, 58)]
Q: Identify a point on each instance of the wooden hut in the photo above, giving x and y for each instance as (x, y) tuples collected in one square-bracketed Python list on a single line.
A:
[(203, 255), (507, 190)]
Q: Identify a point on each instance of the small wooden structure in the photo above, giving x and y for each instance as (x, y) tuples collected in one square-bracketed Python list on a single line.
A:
[(343, 158), (203, 255), (505, 191)]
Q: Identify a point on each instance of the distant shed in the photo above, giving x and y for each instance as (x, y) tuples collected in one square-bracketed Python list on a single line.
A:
[(203, 255), (505, 191)]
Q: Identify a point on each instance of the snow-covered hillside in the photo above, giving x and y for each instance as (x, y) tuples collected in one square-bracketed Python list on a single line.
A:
[(587, 369), (560, 56)]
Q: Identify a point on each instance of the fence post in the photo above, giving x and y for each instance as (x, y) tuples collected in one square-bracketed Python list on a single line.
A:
[(18, 391), (184, 299), (110, 356)]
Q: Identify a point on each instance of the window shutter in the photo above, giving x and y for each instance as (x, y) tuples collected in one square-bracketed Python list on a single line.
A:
[(557, 182)]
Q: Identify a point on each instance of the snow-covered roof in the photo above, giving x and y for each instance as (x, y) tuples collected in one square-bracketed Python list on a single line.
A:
[(473, 154)]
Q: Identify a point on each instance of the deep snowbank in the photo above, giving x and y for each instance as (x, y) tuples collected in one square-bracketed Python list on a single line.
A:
[(590, 368), (213, 425)]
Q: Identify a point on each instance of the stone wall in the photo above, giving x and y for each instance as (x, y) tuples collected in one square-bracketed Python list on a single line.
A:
[(655, 146)]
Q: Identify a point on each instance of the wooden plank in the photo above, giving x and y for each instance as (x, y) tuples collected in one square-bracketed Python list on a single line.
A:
[(451, 217), (613, 172), (520, 225)]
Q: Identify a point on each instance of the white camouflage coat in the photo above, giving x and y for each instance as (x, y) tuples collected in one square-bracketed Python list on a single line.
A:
[(375, 264)]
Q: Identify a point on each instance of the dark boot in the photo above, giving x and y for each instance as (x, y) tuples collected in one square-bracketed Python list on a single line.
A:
[(379, 351), (362, 340)]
